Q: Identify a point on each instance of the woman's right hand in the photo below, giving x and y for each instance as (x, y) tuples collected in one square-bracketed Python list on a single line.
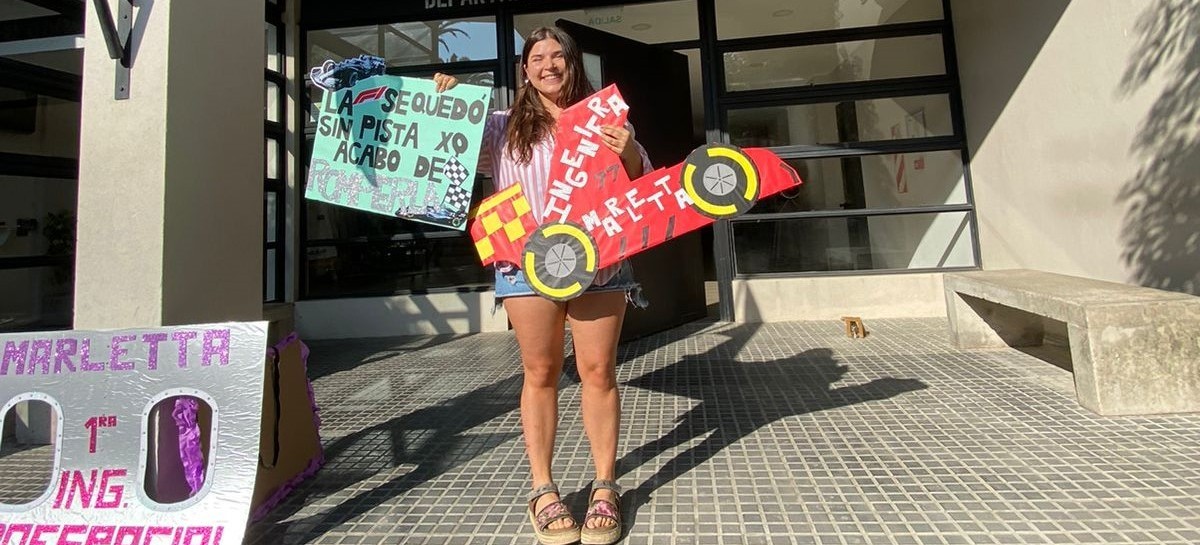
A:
[(444, 82)]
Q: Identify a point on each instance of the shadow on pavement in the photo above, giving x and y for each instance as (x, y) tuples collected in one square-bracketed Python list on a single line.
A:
[(735, 399), (738, 398)]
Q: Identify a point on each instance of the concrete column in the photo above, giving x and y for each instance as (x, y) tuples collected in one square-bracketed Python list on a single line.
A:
[(36, 423), (171, 180)]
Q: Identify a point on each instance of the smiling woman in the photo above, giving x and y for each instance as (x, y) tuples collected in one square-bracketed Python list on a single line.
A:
[(520, 148)]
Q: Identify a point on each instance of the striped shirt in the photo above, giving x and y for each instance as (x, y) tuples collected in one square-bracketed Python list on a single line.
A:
[(534, 176)]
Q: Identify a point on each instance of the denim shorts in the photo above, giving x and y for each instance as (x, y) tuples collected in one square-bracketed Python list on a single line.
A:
[(510, 282)]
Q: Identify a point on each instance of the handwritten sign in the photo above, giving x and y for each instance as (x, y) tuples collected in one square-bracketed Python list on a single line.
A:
[(394, 145), (101, 387)]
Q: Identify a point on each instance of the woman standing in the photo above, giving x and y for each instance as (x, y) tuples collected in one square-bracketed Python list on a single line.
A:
[(517, 148)]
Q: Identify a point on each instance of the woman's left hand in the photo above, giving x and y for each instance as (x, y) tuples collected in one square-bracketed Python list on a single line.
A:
[(620, 140)]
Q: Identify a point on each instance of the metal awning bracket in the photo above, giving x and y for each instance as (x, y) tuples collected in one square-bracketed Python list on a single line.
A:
[(117, 36)]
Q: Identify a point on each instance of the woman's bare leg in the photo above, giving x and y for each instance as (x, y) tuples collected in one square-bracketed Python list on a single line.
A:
[(595, 328), (538, 324)]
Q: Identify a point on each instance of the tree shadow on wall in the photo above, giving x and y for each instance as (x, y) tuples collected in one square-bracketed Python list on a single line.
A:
[(1162, 224)]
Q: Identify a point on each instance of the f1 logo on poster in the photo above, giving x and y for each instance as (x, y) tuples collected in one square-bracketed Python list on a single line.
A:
[(596, 216)]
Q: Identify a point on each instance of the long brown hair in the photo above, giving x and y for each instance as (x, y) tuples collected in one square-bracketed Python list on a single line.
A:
[(529, 122)]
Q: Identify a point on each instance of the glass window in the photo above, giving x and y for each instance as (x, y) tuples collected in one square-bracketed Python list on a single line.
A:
[(273, 111), (909, 241), (272, 155), (841, 62), (414, 261), (486, 79), (695, 73), (18, 111), (37, 216), (593, 68), (745, 18), (273, 60), (271, 215), (874, 181), (842, 122), (650, 23), (270, 288), (37, 298), (37, 220), (408, 44), (354, 253)]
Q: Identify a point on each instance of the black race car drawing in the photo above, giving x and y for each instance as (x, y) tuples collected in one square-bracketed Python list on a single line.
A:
[(333, 76)]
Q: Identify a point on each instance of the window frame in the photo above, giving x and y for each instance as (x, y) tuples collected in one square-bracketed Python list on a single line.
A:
[(718, 101), (275, 134), (945, 84)]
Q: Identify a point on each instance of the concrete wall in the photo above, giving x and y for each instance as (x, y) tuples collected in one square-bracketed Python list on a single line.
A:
[(170, 182), (121, 187), (871, 296), (216, 152), (433, 314), (1081, 122)]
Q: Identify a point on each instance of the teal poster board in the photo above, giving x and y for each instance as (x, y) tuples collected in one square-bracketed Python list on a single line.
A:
[(394, 145)]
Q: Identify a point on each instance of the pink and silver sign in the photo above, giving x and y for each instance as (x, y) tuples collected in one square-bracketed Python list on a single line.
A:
[(100, 389)]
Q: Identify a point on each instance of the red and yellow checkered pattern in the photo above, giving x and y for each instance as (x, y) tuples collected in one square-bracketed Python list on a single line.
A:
[(500, 224)]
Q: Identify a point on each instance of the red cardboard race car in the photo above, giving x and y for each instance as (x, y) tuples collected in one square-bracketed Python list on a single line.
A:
[(596, 216)]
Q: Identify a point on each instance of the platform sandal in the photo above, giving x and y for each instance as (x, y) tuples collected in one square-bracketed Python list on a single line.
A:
[(602, 535), (551, 513)]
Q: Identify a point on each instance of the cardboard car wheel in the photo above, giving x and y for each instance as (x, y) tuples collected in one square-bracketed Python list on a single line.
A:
[(721, 180), (559, 261)]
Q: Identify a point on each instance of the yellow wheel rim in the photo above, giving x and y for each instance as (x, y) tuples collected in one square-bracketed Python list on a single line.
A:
[(574, 288), (717, 210)]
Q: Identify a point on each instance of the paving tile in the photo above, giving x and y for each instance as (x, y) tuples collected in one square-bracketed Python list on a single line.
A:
[(786, 433)]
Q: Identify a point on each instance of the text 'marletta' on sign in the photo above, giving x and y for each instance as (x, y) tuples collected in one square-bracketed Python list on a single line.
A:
[(101, 387)]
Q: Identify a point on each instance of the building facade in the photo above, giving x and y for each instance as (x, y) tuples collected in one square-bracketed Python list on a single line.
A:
[(933, 136)]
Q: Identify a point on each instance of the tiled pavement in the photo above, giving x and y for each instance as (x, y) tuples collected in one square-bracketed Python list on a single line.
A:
[(744, 434)]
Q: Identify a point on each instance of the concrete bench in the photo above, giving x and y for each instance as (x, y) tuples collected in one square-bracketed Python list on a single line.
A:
[(1134, 350)]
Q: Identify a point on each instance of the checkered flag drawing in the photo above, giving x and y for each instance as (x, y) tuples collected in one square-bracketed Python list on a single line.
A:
[(455, 171), (457, 198)]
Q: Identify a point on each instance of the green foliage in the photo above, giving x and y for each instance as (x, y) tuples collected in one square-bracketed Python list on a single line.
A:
[(59, 229)]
